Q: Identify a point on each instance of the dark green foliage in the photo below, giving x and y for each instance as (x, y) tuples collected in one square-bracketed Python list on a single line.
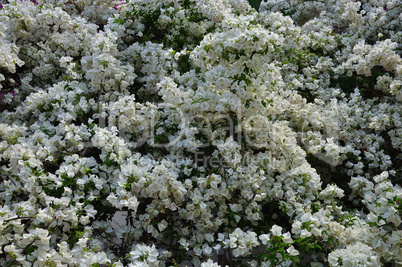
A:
[(255, 4), (365, 84), (184, 63)]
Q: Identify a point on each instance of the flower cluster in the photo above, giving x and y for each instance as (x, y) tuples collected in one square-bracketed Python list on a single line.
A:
[(205, 133)]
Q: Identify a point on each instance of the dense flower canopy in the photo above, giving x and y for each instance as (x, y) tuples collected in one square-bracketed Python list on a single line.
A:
[(220, 135)]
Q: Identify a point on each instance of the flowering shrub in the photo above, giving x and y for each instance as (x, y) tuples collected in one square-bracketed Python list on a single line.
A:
[(220, 135)]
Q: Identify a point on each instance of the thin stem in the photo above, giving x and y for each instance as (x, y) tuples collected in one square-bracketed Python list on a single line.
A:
[(20, 217), (9, 177), (52, 163)]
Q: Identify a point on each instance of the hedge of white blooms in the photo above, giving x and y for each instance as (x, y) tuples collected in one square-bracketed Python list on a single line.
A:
[(222, 135)]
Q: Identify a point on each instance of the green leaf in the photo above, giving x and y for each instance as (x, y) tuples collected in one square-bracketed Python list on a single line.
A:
[(30, 249), (199, 100)]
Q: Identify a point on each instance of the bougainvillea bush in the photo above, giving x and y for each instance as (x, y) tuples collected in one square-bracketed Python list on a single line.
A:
[(218, 134)]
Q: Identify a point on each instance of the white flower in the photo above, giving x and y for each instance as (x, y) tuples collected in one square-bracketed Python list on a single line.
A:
[(287, 238), (265, 98), (292, 251), (354, 255), (264, 238), (276, 230), (184, 243), (144, 253), (64, 61), (209, 263), (241, 242), (162, 225)]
